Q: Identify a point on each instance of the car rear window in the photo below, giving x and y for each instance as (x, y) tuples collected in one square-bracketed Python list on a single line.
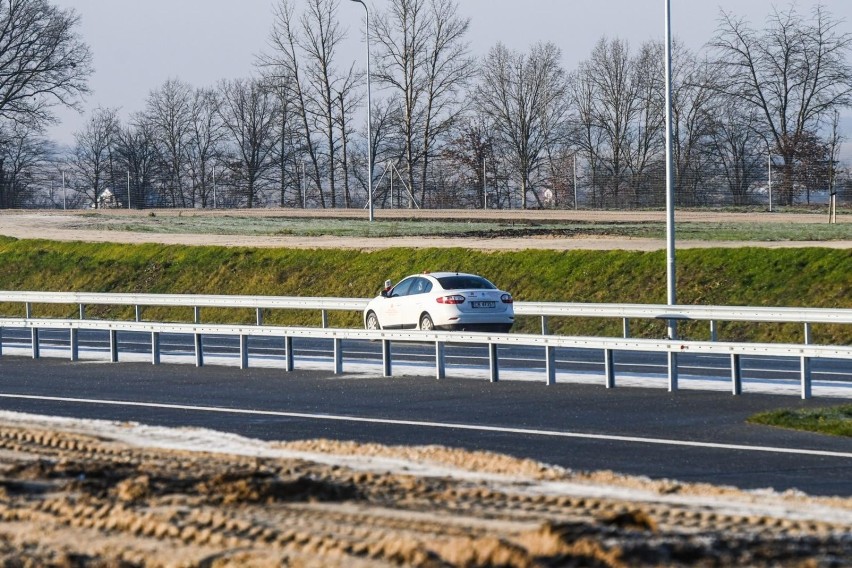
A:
[(460, 282)]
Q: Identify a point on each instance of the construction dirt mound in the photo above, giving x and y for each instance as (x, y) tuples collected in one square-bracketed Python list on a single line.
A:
[(115, 494)]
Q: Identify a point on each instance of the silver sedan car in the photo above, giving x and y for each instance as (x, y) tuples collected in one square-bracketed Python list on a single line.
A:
[(441, 300)]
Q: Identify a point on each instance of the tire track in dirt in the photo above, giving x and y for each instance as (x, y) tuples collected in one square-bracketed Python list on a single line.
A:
[(68, 498)]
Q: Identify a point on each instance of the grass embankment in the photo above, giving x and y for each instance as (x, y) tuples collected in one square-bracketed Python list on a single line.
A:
[(836, 420), (748, 276)]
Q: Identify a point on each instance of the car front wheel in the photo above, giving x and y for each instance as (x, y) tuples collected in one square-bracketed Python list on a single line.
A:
[(426, 323), (373, 322)]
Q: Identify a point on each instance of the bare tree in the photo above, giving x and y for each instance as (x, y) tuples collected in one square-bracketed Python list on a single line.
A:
[(43, 61), (92, 154), (794, 72), (423, 59), (282, 66), (23, 151), (169, 112), (525, 98), (206, 132), (137, 152), (249, 113)]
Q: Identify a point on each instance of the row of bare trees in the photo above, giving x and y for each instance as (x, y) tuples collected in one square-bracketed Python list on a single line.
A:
[(509, 129)]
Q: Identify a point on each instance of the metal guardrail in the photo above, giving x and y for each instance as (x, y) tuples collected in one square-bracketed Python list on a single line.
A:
[(544, 310), (549, 342)]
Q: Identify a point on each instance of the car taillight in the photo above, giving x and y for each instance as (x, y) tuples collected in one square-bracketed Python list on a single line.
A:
[(454, 299), (507, 299)]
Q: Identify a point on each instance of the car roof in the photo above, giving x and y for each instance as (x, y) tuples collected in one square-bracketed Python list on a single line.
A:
[(443, 274)]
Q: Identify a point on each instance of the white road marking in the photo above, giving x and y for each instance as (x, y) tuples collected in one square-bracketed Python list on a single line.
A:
[(427, 424)]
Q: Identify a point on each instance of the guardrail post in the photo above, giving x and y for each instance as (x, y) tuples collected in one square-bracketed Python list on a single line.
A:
[(138, 310), (196, 314), (672, 367), (36, 351), (440, 361), (806, 377), (809, 339), (244, 359), (82, 311), (338, 356), (493, 363), (714, 332), (625, 327), (550, 364), (155, 347), (113, 346), (199, 351), (324, 319), (609, 369), (1, 341), (386, 358), (288, 354), (74, 344), (736, 375), (28, 310), (544, 329), (259, 318)]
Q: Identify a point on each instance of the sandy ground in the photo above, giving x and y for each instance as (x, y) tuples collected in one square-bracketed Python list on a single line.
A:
[(71, 226), (76, 493)]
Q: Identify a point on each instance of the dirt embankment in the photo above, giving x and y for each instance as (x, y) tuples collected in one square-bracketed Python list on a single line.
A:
[(77, 226), (102, 496)]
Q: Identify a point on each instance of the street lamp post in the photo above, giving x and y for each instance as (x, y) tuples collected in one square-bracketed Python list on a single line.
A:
[(670, 218), (369, 111)]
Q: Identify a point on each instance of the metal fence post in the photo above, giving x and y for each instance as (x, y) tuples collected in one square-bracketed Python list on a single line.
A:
[(199, 351), (809, 339), (386, 358), (82, 311), (138, 312), (259, 317), (440, 362), (74, 344), (338, 356), (288, 353), (155, 347), (493, 363), (544, 328), (625, 327), (28, 310), (609, 368), (736, 375), (36, 350), (196, 314), (113, 346), (806, 377), (550, 358), (714, 332), (244, 359), (324, 319)]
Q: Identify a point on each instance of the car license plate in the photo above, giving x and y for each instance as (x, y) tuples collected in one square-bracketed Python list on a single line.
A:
[(482, 304)]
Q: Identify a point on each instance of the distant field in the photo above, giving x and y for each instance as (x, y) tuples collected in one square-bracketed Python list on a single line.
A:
[(236, 224)]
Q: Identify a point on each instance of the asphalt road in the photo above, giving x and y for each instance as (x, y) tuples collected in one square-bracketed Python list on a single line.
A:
[(690, 436)]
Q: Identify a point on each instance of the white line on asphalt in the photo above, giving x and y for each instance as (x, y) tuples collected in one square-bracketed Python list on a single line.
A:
[(427, 424)]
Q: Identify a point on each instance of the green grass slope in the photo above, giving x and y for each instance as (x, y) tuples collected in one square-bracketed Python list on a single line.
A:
[(813, 277)]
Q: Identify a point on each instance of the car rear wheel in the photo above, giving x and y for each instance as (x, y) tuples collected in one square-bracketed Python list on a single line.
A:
[(373, 322), (426, 323)]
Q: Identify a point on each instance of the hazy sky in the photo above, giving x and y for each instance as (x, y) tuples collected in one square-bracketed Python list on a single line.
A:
[(139, 44)]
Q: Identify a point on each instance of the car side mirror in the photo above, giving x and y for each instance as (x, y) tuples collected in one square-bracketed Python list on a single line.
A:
[(385, 293)]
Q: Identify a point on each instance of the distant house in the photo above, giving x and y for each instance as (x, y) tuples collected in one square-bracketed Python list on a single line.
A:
[(108, 200)]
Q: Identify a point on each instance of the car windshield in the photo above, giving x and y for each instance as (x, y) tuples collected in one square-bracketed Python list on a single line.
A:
[(465, 282)]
